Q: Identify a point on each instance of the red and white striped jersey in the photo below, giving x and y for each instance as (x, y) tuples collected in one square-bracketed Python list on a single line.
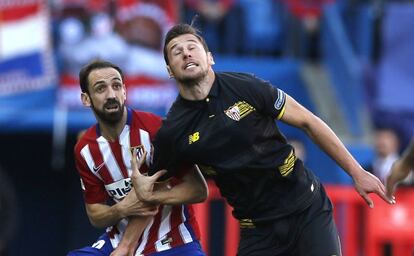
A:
[(105, 167)]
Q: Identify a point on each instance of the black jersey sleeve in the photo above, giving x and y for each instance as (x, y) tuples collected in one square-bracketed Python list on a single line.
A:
[(163, 156), (266, 97)]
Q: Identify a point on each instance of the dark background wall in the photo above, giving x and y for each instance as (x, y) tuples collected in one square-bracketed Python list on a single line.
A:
[(50, 213)]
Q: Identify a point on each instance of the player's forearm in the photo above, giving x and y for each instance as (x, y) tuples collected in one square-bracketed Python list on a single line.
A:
[(192, 189), (102, 216), (327, 140), (400, 169), (180, 194), (136, 226), (408, 155)]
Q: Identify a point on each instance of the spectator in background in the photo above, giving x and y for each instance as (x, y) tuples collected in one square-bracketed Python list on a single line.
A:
[(304, 27), (263, 29), (72, 26), (129, 32), (220, 21), (401, 169), (386, 143), (143, 25), (8, 212), (87, 34)]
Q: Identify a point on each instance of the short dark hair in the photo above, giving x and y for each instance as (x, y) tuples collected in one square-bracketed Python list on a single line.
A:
[(88, 68), (182, 29)]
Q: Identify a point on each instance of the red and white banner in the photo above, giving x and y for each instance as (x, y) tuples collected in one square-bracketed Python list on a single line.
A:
[(26, 61)]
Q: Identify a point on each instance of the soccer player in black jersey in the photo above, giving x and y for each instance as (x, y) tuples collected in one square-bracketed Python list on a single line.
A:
[(225, 123), (401, 169)]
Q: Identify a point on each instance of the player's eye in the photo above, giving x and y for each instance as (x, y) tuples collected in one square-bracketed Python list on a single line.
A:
[(100, 88)]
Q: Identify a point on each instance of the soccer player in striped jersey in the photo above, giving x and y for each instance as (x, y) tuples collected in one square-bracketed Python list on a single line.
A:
[(103, 157)]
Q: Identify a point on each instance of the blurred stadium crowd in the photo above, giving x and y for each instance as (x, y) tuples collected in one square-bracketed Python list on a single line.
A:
[(347, 60)]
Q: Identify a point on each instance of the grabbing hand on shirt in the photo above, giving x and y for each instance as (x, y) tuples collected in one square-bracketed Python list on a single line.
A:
[(143, 185)]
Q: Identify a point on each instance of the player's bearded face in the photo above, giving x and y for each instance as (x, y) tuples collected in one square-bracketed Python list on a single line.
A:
[(111, 111)]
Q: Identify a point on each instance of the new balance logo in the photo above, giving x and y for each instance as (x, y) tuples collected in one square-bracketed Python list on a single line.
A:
[(193, 138)]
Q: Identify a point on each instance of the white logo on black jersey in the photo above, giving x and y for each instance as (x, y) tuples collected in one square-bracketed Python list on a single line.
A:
[(280, 101)]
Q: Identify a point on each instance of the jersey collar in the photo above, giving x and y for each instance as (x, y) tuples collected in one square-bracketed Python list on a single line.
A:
[(214, 92)]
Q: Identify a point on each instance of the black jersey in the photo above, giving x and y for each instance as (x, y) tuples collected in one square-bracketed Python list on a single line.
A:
[(233, 137)]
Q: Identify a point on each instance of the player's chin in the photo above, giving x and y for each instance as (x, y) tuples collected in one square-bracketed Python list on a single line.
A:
[(113, 117), (190, 79)]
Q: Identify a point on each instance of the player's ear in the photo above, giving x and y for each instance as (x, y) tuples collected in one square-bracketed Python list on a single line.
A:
[(210, 58), (86, 100), (169, 71)]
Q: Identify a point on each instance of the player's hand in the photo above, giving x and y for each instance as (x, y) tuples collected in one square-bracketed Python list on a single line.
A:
[(366, 183), (398, 173), (143, 184), (131, 206)]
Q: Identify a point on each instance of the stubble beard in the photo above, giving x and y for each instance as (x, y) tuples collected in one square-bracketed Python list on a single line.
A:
[(191, 81)]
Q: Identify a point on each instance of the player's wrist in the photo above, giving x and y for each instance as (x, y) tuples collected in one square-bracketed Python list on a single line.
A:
[(154, 198), (128, 242), (120, 210)]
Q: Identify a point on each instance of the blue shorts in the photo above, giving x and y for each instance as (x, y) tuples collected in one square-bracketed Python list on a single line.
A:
[(103, 247)]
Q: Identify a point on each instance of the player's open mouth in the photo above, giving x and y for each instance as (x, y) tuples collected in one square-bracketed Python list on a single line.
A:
[(112, 107), (190, 65)]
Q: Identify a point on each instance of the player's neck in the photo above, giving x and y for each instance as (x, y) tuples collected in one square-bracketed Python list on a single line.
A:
[(199, 90), (111, 131)]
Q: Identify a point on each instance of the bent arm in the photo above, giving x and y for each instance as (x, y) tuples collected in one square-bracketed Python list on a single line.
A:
[(192, 189), (320, 133), (101, 215)]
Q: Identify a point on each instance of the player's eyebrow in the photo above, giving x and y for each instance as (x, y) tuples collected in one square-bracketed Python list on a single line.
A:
[(175, 45), (103, 81)]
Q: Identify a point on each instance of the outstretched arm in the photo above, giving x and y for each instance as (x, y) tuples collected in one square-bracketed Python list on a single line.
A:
[(365, 183), (400, 169), (192, 189)]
